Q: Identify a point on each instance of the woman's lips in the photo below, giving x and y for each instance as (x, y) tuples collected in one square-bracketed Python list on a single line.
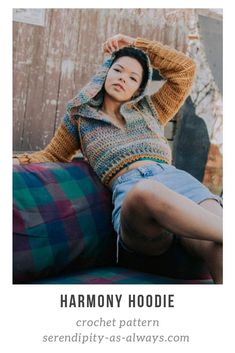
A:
[(119, 87)]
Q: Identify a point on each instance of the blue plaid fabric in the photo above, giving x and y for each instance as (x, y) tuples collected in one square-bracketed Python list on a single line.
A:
[(61, 219)]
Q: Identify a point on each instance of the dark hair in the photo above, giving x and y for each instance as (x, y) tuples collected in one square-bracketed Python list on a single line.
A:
[(139, 56)]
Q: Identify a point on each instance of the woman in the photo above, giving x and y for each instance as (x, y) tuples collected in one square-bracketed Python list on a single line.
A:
[(119, 128)]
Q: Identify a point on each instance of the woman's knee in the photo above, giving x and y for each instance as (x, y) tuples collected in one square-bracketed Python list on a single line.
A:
[(135, 213), (145, 194), (212, 206), (139, 230)]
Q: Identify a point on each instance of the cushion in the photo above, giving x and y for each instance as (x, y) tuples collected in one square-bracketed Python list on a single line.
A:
[(117, 275), (62, 225), (61, 220)]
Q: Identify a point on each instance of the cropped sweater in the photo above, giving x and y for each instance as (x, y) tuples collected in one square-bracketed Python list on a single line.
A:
[(108, 148)]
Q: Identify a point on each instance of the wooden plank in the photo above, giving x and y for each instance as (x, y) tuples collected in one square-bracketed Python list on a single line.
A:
[(35, 91), (66, 87), (42, 102), (22, 58)]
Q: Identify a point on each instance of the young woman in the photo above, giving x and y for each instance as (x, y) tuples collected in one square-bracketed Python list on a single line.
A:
[(119, 128)]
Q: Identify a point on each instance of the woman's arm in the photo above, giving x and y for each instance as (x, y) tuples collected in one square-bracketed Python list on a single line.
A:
[(62, 147), (179, 72), (174, 66)]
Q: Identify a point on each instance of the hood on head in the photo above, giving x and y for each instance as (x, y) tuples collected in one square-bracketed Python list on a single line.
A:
[(92, 93)]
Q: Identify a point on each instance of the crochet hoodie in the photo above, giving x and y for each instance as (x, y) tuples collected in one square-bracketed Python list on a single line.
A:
[(108, 148)]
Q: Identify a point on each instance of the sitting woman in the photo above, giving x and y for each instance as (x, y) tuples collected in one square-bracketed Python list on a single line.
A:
[(119, 128)]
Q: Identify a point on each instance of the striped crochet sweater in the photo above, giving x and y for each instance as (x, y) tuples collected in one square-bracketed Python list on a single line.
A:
[(108, 148)]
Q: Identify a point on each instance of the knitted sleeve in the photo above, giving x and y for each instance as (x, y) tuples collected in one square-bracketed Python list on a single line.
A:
[(62, 147), (178, 70)]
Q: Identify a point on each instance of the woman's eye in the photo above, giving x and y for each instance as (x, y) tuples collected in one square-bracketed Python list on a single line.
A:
[(133, 79), (117, 70)]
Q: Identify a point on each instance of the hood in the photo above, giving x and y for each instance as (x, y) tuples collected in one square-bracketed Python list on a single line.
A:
[(91, 94)]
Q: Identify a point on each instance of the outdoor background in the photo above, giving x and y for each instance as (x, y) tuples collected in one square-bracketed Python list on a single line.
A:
[(56, 51)]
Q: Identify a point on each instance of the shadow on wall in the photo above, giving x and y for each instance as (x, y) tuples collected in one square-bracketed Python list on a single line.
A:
[(191, 142)]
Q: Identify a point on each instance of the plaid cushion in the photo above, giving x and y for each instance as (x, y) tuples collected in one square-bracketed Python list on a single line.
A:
[(62, 218), (117, 275), (62, 224)]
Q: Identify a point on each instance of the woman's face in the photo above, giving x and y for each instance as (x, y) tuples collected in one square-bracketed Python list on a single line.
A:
[(124, 79)]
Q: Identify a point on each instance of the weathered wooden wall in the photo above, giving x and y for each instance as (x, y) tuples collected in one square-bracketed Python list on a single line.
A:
[(53, 62)]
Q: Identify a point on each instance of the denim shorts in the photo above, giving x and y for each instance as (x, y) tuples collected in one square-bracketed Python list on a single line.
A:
[(175, 179)]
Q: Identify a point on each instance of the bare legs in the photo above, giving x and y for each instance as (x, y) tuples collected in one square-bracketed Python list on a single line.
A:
[(151, 213)]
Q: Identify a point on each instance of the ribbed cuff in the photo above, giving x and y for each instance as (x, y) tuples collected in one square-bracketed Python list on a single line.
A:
[(142, 43), (22, 158)]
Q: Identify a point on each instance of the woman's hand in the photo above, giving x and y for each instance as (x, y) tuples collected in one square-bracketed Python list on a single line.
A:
[(117, 42)]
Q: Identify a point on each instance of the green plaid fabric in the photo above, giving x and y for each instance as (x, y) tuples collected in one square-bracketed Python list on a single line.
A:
[(61, 219)]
